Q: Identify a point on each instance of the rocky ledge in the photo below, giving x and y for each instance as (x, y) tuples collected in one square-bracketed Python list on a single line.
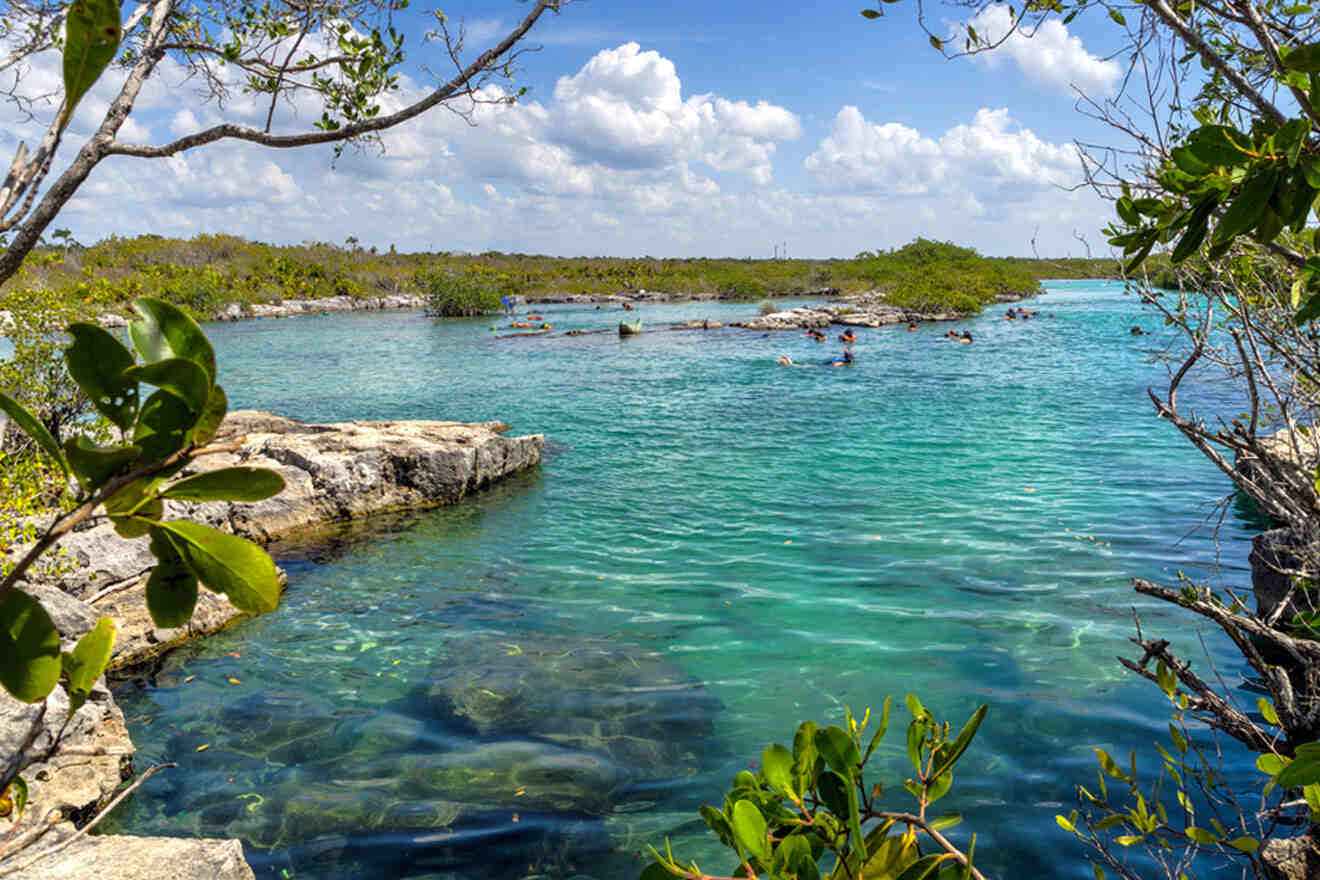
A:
[(289, 307), (332, 472), (861, 310)]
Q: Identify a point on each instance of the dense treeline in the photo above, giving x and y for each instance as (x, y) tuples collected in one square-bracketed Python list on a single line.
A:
[(208, 272)]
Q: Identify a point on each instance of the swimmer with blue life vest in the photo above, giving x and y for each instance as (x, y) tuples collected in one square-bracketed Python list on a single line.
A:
[(845, 361)]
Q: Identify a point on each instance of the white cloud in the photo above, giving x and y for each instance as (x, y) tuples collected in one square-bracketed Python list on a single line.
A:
[(1049, 55), (894, 160), (618, 160), (624, 109)]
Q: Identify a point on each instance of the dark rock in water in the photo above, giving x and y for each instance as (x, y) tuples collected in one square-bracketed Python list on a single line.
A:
[(1273, 553), (594, 696)]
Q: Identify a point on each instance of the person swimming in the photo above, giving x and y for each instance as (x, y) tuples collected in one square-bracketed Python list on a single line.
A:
[(847, 337), (845, 361), (912, 325), (1137, 331), (966, 338)]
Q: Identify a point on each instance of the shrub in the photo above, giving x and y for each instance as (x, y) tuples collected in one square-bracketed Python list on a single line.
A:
[(742, 288), (462, 296)]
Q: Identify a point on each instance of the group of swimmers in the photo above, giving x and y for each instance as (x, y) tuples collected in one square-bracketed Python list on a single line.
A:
[(847, 337), (963, 338), (1020, 314)]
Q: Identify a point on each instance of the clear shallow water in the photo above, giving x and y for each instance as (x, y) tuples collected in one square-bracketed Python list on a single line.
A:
[(549, 677)]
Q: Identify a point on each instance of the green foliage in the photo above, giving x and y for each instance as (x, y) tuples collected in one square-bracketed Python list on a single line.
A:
[(92, 35), (1171, 813), (810, 809), (465, 295), (743, 289), (157, 437), (30, 645), (205, 274)]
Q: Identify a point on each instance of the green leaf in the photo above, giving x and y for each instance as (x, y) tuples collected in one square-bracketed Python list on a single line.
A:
[(217, 404), (656, 871), (1129, 839), (776, 764), (793, 858), (1179, 741), (838, 750), (1186, 161), (91, 39), (1202, 835), (1312, 794), (97, 361), (1197, 225), (30, 645), (85, 663), (1216, 145), (136, 497), (1248, 208), (1304, 58), (1309, 311), (1291, 138), (718, 822), (183, 378), (1244, 844), (172, 587), (1136, 261), (750, 830), (1117, 17), (1064, 823), (165, 331), (916, 737), (162, 426), (1267, 710), (1127, 211), (923, 867), (889, 856), (833, 790), (939, 786), (227, 564), (1304, 770), (936, 43), (93, 464), (20, 794), (245, 484), (871, 13), (34, 429), (879, 731), (1165, 678), (949, 820), (135, 508), (1107, 763), (949, 755)]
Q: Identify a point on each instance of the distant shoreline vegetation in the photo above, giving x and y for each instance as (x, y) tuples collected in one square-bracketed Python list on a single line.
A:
[(208, 273)]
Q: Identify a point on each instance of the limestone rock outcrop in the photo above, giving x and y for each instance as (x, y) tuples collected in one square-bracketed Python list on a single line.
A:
[(332, 472)]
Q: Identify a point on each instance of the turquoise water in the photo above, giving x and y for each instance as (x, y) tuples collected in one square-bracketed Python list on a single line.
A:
[(545, 679)]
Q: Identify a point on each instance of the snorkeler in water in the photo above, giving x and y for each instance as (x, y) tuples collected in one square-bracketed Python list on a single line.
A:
[(845, 361)]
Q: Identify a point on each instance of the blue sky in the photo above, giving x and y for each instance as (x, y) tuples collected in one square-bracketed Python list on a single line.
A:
[(677, 129)]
